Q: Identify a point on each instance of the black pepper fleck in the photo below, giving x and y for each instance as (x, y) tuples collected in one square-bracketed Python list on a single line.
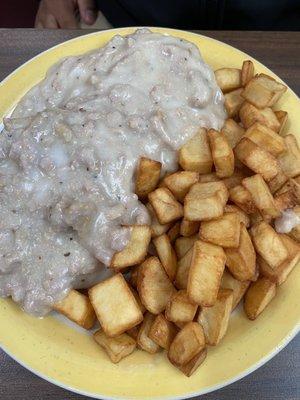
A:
[(185, 58), (67, 254), (40, 257), (71, 238), (13, 211), (87, 169), (60, 182)]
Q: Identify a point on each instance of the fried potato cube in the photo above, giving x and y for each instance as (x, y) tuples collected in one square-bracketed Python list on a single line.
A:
[(266, 138), (290, 160), (242, 198), (214, 320), (257, 159), (188, 228), (295, 232), (277, 182), (242, 216), (166, 207), (241, 261), (258, 296), (187, 344), (223, 231), (238, 287), (138, 300), (180, 308), (133, 332), (268, 244), (133, 276), (116, 348), (222, 153), (232, 131), (280, 274), (157, 228), (135, 251), (261, 195), (77, 307), (184, 244), (115, 305), (143, 340), (247, 72), (195, 154), (233, 102), (250, 114), (162, 331), (234, 180), (189, 368), (147, 176), (211, 177), (206, 270), (228, 79), (180, 182), (205, 201), (154, 286), (183, 270), (288, 196), (174, 232), (166, 254), (282, 117)]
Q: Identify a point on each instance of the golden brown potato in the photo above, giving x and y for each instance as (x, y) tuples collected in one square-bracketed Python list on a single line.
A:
[(154, 286), (143, 340), (258, 296), (228, 79), (269, 244), (166, 254), (242, 216), (174, 231), (247, 72), (189, 368), (147, 176), (277, 182), (205, 201), (266, 138), (211, 177), (290, 160), (162, 331), (214, 320), (166, 207), (195, 155), (115, 305), (206, 270), (188, 228), (288, 196), (238, 288), (234, 180), (180, 182), (183, 268), (223, 231), (133, 332), (136, 249), (241, 261), (222, 154), (257, 159), (187, 344), (180, 308), (250, 114), (138, 300), (184, 244), (133, 276), (157, 228), (116, 348), (233, 102), (282, 117), (77, 307), (242, 198), (233, 132)]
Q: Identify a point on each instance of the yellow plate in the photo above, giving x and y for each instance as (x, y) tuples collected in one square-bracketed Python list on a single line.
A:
[(71, 359)]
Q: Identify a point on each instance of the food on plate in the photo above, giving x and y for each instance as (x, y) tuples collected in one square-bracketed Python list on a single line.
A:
[(290, 160), (184, 244), (143, 339), (188, 228), (117, 347), (282, 117), (180, 182), (258, 296), (249, 114), (189, 368), (162, 331), (174, 232), (228, 79), (157, 228), (147, 176), (183, 268), (242, 216), (166, 207), (242, 198), (247, 72), (238, 287), (180, 308), (233, 102), (222, 153), (166, 254), (266, 138), (233, 131)]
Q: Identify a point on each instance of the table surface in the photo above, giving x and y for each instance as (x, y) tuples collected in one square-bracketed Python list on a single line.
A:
[(279, 378)]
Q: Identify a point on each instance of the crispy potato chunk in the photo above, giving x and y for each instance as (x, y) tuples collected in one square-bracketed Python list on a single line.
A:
[(116, 348), (147, 176), (258, 296), (174, 232), (187, 344), (232, 131), (266, 138), (233, 102), (154, 286), (183, 270), (143, 340), (115, 305), (222, 154), (282, 117), (180, 308), (214, 320), (257, 159), (277, 182), (280, 274), (290, 160), (223, 231), (241, 261), (242, 198), (234, 180), (188, 228), (184, 244), (166, 207), (205, 201), (133, 276), (138, 300), (133, 332), (228, 79), (261, 195), (195, 155), (288, 196), (180, 182), (189, 368), (162, 331), (206, 270), (212, 177), (238, 288), (247, 72), (135, 251), (269, 244), (242, 216), (250, 114), (77, 307), (166, 254), (157, 228)]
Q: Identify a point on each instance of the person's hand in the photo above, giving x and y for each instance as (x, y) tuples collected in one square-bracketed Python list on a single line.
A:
[(65, 13)]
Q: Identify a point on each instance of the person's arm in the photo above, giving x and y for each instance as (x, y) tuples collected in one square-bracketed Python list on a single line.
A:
[(64, 13)]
